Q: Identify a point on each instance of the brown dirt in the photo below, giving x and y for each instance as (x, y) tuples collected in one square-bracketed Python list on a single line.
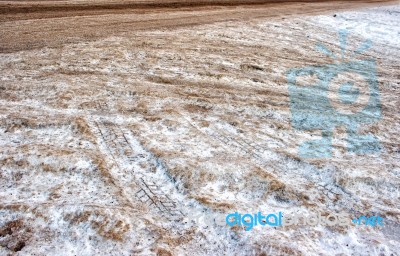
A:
[(27, 25)]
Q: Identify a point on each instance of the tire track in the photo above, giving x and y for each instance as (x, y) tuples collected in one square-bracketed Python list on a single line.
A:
[(148, 188)]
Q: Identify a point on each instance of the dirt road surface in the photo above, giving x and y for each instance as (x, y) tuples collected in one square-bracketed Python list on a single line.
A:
[(34, 24)]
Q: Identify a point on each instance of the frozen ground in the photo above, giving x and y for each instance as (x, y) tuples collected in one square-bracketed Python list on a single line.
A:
[(107, 146)]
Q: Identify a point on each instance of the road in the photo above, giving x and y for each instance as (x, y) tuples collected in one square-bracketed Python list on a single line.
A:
[(28, 25)]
